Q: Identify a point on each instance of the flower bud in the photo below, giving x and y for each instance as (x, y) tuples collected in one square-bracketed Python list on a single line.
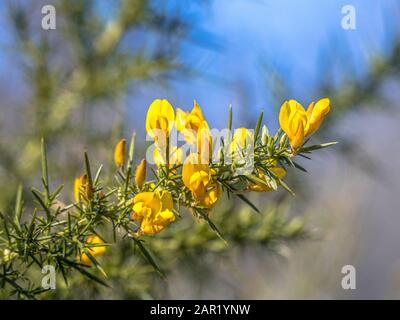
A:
[(221, 155), (283, 140), (119, 153), (140, 175), (81, 185), (264, 135), (8, 255)]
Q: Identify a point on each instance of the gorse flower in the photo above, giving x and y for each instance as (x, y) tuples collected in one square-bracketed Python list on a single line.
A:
[(316, 114), (293, 121), (188, 123), (197, 177), (82, 187), (160, 120), (298, 123), (93, 250), (153, 210), (119, 153), (204, 143), (78, 183), (195, 130), (140, 175)]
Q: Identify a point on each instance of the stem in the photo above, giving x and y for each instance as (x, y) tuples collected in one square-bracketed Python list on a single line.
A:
[(167, 155)]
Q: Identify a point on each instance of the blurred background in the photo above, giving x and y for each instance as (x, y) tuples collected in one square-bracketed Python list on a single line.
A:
[(90, 82)]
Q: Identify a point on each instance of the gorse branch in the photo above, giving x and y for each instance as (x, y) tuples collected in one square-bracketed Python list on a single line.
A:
[(134, 208)]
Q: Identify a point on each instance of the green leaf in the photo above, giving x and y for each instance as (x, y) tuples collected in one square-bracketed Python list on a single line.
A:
[(131, 148), (85, 273), (258, 126), (130, 162), (63, 273), (95, 262), (317, 146), (299, 166), (45, 175), (5, 227), (243, 198), (146, 253), (285, 186), (32, 222), (88, 171), (18, 206), (97, 175), (277, 134), (41, 202), (213, 226), (56, 192), (257, 180), (227, 186), (230, 119)]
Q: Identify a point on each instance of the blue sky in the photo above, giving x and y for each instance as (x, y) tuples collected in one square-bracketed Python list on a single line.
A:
[(299, 39)]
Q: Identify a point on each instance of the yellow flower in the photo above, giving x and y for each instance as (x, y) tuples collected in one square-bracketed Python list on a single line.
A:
[(77, 188), (197, 177), (204, 143), (298, 123), (316, 114), (261, 187), (160, 120), (175, 156), (153, 210), (293, 121), (81, 186), (140, 175), (242, 138), (188, 123), (94, 251), (119, 153)]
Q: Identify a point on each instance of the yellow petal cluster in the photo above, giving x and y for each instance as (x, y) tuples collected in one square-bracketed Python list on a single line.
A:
[(298, 123), (153, 210), (94, 251), (197, 177), (188, 123), (160, 120)]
